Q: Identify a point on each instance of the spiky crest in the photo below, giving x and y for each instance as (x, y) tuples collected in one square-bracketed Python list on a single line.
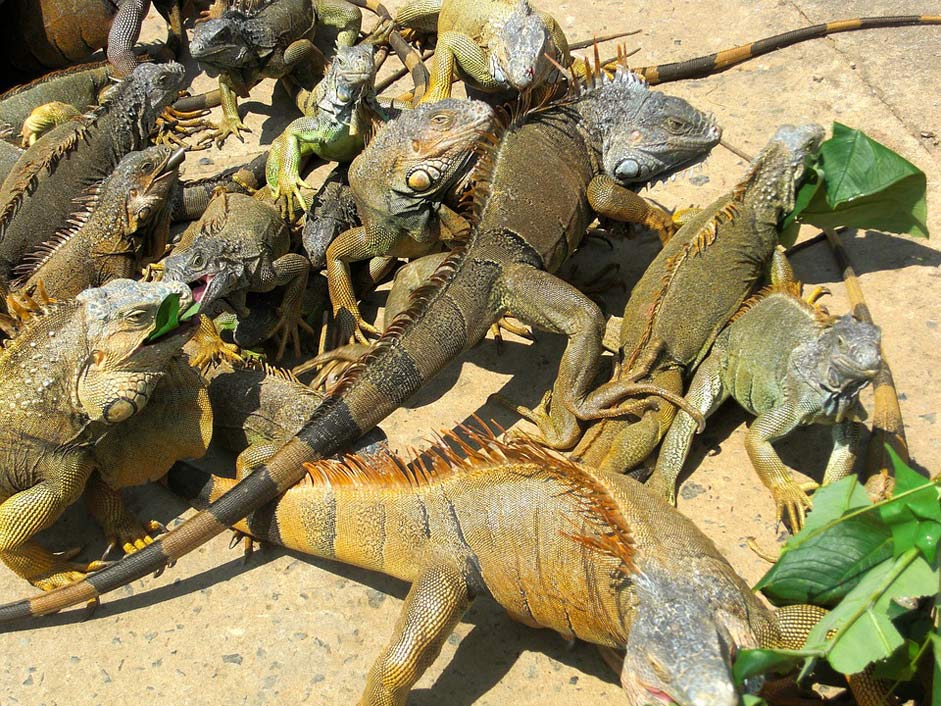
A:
[(793, 291), (30, 310), (451, 454), (33, 260)]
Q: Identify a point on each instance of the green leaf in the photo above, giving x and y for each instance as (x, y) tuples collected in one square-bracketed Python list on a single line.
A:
[(867, 186), (190, 312), (862, 623), (751, 663), (167, 317), (914, 512), (902, 665), (832, 553), (753, 700)]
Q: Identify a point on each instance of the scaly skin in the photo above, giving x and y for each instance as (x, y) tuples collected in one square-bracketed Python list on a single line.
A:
[(190, 199), (495, 45), (506, 264), (611, 564), (122, 227), (338, 116), (39, 35), (73, 374), (790, 365), (400, 182), (36, 196), (274, 41), (689, 293), (241, 245)]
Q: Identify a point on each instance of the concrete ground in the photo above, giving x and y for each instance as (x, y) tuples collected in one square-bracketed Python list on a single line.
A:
[(285, 628)]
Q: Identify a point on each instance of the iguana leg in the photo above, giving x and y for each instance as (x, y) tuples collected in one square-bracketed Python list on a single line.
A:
[(789, 497), (125, 29), (433, 607), (44, 118), (350, 246), (121, 528), (419, 14), (282, 171), (342, 15), (608, 198), (230, 123), (291, 270), (25, 513), (846, 436), (307, 64), (706, 393), (452, 51), (544, 301)]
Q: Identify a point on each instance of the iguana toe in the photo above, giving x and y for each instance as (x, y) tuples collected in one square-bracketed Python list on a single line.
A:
[(221, 131), (792, 504), (65, 573)]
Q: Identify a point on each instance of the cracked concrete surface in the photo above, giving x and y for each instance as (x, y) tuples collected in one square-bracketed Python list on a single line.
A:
[(285, 628)]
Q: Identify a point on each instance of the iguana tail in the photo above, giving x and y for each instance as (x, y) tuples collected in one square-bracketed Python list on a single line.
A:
[(720, 61), (887, 425)]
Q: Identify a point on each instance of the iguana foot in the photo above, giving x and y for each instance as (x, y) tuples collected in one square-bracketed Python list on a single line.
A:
[(661, 223), (221, 130), (44, 118), (352, 329), (173, 125), (63, 572), (209, 346), (510, 325), (132, 536), (682, 216), (792, 502), (331, 364), (289, 330), (287, 194)]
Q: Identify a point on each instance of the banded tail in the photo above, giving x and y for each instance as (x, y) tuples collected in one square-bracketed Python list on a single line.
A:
[(722, 60)]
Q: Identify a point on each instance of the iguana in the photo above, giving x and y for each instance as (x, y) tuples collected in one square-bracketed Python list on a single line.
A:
[(400, 183), (120, 226), (39, 35), (496, 45), (601, 559), (241, 245), (75, 373), (339, 115), (534, 215), (273, 41), (790, 364), (688, 294), (36, 196), (191, 198)]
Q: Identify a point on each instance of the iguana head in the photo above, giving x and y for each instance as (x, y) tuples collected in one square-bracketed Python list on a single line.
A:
[(426, 152), (780, 167), (150, 89), (517, 48), (218, 254), (234, 41), (682, 640), (121, 367), (350, 73), (645, 134), (145, 180), (843, 359)]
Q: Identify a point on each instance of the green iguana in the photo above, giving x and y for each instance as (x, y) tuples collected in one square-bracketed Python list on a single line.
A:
[(534, 215), (601, 559), (241, 245), (121, 225), (36, 196), (790, 364), (339, 116), (273, 41), (39, 35), (688, 294), (400, 183), (72, 375)]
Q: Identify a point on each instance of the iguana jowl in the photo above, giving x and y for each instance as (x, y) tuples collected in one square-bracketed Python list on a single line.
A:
[(601, 559), (534, 215)]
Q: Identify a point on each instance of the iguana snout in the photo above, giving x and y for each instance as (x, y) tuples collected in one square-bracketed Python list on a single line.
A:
[(150, 176), (122, 366), (850, 359), (160, 83), (782, 164), (350, 72), (517, 56), (227, 42)]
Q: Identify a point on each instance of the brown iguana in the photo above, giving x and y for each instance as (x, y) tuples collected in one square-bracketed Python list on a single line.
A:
[(73, 374), (790, 364), (122, 225), (400, 182), (688, 294), (534, 215), (38, 35), (241, 245), (496, 45), (601, 559), (274, 40), (36, 196)]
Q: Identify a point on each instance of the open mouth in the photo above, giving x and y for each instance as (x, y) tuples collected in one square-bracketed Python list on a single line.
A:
[(199, 287)]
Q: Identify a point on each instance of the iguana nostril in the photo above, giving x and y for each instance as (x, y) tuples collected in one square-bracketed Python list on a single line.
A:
[(627, 169)]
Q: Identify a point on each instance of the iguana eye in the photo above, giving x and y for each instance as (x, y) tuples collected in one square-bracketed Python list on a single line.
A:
[(675, 125), (146, 167), (198, 261), (138, 316), (418, 180), (144, 213), (441, 120)]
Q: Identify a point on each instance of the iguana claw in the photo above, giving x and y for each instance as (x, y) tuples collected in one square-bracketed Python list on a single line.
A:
[(792, 502), (221, 130), (64, 573)]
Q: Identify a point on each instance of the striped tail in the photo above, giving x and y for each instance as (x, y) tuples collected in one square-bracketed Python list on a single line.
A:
[(887, 425), (720, 61)]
